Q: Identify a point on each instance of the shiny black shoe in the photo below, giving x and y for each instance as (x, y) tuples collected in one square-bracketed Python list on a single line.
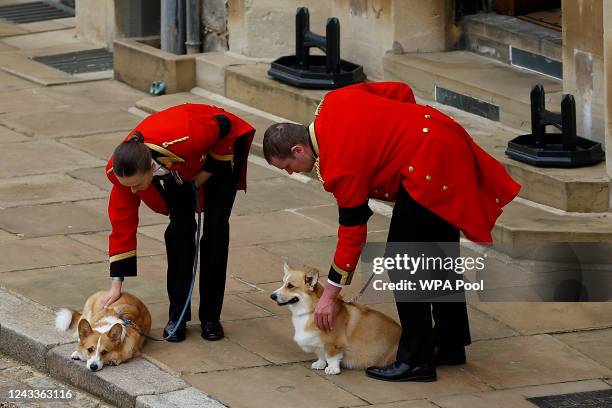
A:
[(212, 331), (179, 334), (403, 372), (449, 356)]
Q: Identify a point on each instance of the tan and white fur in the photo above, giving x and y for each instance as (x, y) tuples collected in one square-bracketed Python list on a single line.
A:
[(104, 338), (361, 337)]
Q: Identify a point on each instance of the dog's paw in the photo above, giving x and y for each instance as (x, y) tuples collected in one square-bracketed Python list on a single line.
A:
[(75, 355), (113, 362), (318, 365), (332, 370)]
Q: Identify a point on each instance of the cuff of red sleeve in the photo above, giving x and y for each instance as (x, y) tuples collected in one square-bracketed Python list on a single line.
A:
[(339, 276), (123, 265), (335, 284)]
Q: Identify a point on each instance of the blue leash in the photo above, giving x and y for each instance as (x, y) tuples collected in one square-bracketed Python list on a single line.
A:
[(193, 277)]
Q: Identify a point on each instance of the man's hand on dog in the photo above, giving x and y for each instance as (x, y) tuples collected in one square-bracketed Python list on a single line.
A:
[(113, 294), (324, 312)]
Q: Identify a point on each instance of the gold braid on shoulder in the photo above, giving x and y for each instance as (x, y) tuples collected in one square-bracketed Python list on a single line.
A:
[(318, 170), (317, 166)]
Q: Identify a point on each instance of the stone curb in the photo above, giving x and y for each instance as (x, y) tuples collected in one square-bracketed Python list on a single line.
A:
[(27, 333), (27, 330)]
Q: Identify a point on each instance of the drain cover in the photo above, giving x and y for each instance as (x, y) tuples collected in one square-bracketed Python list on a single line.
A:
[(35, 11), (79, 62), (590, 399)]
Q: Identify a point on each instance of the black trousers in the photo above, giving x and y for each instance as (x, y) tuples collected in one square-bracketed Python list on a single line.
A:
[(411, 222), (219, 195)]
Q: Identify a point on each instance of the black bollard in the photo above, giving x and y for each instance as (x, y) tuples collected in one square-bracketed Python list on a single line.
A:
[(314, 71), (542, 149)]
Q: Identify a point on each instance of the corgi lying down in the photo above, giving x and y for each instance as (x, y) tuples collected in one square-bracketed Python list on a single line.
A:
[(361, 337), (104, 339)]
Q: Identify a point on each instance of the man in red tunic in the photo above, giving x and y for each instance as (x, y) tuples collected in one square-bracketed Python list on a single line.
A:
[(371, 140), (159, 163)]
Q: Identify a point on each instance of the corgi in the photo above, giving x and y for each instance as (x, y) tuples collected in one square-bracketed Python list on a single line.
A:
[(361, 337), (104, 338)]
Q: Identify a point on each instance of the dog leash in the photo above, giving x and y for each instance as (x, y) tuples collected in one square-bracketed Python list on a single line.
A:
[(129, 322), (363, 289)]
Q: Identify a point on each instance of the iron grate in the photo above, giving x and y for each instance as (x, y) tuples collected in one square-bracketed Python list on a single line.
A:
[(35, 11), (466, 103), (589, 399), (79, 62), (535, 62)]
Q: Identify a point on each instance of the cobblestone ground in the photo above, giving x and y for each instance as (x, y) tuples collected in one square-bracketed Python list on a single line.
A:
[(17, 378)]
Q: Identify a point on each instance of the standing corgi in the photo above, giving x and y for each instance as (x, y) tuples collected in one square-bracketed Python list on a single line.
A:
[(104, 337), (361, 336)]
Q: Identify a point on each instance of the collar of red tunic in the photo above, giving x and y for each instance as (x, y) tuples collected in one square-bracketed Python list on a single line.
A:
[(312, 138)]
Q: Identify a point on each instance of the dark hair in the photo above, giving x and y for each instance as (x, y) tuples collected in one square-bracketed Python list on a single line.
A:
[(281, 137), (131, 156)]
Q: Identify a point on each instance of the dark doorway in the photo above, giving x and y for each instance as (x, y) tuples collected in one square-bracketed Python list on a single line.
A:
[(546, 13)]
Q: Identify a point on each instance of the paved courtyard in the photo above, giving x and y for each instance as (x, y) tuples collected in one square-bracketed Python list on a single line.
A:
[(53, 245)]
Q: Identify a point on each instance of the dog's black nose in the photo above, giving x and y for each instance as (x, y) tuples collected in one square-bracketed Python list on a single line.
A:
[(273, 296), (93, 367)]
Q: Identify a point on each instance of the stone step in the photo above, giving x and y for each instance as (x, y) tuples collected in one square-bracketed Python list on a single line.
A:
[(521, 221), (251, 85), (505, 38), (474, 83), (575, 190)]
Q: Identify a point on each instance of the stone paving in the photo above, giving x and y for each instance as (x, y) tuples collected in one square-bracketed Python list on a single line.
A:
[(53, 240)]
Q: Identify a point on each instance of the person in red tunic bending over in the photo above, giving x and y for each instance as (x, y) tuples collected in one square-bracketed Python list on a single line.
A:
[(371, 140), (159, 163)]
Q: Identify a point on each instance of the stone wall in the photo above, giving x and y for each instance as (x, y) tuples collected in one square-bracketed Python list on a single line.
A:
[(423, 26), (583, 73), (366, 32), (368, 28), (266, 28), (607, 46), (102, 21)]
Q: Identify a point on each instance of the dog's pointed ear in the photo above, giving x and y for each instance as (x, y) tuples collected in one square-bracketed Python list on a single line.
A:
[(311, 278), (286, 268), (115, 333), (84, 328)]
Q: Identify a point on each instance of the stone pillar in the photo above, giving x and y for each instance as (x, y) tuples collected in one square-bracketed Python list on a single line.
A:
[(214, 25), (96, 21), (583, 68), (607, 46)]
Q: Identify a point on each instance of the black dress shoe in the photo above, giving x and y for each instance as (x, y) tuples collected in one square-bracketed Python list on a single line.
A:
[(403, 372), (449, 356), (179, 334), (212, 331)]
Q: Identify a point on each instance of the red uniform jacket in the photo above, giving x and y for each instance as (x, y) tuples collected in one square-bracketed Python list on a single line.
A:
[(372, 137), (181, 139)]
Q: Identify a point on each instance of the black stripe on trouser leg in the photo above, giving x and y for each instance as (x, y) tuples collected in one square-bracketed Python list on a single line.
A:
[(180, 246), (411, 222), (219, 195)]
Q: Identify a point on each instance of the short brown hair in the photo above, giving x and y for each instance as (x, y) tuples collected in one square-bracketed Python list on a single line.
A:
[(281, 137), (131, 156)]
